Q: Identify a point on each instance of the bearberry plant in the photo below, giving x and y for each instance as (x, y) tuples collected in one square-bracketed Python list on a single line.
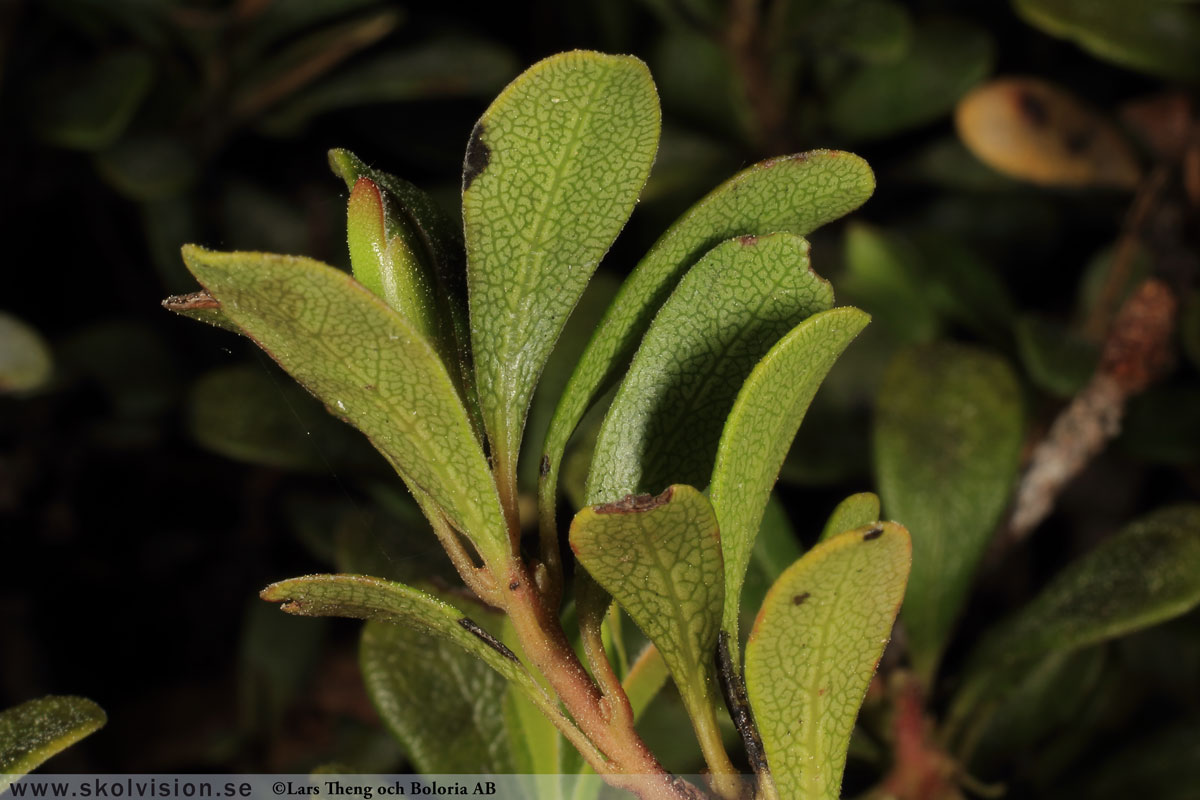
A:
[(716, 344)]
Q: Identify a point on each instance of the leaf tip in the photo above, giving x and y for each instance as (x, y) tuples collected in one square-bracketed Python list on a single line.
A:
[(193, 301)]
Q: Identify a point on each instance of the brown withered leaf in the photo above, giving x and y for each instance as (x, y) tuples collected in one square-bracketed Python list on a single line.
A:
[(1039, 132)]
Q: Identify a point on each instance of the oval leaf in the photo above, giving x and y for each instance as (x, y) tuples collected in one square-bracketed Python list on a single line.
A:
[(1146, 574), (660, 559), (814, 648), (552, 172), (796, 193), (948, 431), (759, 432), (34, 731), (369, 366), (726, 313), (1037, 131)]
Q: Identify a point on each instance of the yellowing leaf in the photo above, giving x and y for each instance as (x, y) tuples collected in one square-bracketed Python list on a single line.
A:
[(855, 511), (369, 366), (948, 431), (1040, 132), (552, 172), (764, 420), (814, 648), (796, 193), (727, 312), (660, 559), (34, 731)]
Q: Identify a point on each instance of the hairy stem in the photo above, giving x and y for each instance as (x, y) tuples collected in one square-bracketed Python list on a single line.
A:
[(592, 603), (545, 644)]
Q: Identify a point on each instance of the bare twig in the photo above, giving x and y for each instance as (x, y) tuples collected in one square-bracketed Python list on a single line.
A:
[(1136, 352)]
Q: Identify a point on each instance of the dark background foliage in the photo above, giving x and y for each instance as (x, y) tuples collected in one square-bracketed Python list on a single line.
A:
[(135, 531)]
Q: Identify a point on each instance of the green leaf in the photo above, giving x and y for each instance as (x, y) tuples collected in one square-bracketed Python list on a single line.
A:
[(551, 175), (1160, 37), (963, 287), (90, 109), (1049, 698), (38, 729), (440, 235), (147, 166), (660, 559), (796, 193), (26, 362), (570, 345), (665, 422), (699, 83), (437, 69), (369, 366), (776, 548), (248, 414), (443, 705), (536, 745), (1146, 574), (814, 648), (384, 258), (361, 597), (646, 677), (948, 432), (875, 31), (882, 274), (435, 241), (946, 58), (855, 511), (1057, 359), (759, 432), (912, 284)]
